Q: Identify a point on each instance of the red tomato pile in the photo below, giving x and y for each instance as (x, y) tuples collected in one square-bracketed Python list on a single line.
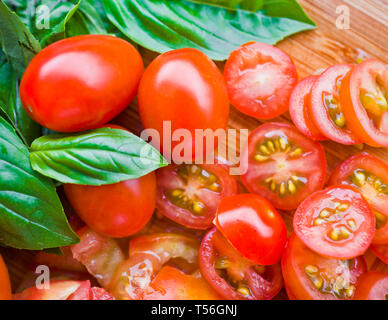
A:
[(208, 238)]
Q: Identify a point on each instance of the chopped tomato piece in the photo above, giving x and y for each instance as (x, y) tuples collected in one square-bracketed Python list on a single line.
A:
[(372, 285)]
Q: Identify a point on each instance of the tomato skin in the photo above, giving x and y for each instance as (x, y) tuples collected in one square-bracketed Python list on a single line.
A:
[(311, 165), (253, 227), (262, 288), (5, 284), (327, 84), (381, 251), (298, 286), (378, 201), (185, 87), (258, 63), (358, 118), (99, 80), (317, 236), (300, 109), (372, 285), (168, 179)]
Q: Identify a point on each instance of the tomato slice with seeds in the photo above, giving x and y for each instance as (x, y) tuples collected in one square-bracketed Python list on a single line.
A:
[(282, 165), (364, 99), (260, 78), (326, 108), (336, 222), (189, 194), (381, 251), (369, 175), (372, 285), (300, 109), (309, 276), (233, 276)]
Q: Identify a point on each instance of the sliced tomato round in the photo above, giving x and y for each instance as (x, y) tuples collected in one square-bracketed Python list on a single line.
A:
[(260, 78), (300, 109), (372, 285), (309, 276), (369, 175), (364, 100), (253, 227), (326, 108), (282, 165), (381, 251), (189, 194), (233, 276), (336, 222)]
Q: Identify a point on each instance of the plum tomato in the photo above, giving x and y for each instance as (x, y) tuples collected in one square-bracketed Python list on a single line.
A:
[(82, 82), (369, 175), (189, 194), (5, 284), (372, 285), (187, 89), (282, 165), (253, 227), (327, 110), (260, 78), (381, 251), (300, 109), (336, 222), (233, 276), (147, 256), (309, 276), (364, 100)]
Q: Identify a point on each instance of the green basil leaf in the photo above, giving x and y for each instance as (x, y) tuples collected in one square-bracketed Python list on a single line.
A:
[(217, 30), (31, 214), (97, 157)]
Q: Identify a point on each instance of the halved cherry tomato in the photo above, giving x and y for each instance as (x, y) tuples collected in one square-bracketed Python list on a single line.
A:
[(327, 111), (189, 194), (253, 227), (233, 276), (82, 82), (381, 251), (336, 222), (282, 165), (147, 255), (172, 284), (309, 276), (260, 78), (300, 109), (372, 285), (369, 175), (5, 284), (183, 87), (364, 100)]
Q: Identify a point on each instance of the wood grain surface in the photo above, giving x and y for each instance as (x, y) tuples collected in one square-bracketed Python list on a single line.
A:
[(312, 51)]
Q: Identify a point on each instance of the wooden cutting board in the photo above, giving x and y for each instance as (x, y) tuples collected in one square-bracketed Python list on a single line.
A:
[(311, 51)]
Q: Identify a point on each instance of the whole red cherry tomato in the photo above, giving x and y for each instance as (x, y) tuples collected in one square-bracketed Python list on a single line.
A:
[(186, 88), (372, 285), (5, 285), (80, 83), (253, 227)]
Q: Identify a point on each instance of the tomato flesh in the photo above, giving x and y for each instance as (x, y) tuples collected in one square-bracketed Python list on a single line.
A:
[(5, 284), (372, 285), (282, 165), (381, 251), (336, 222), (309, 276), (190, 194), (233, 276)]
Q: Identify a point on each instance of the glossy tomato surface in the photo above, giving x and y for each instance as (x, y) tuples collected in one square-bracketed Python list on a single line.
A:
[(82, 82), (369, 175), (253, 227), (300, 109), (309, 276), (185, 89), (233, 276), (5, 285), (189, 194), (381, 251), (364, 100), (372, 285), (327, 110), (282, 165), (336, 222), (260, 79)]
